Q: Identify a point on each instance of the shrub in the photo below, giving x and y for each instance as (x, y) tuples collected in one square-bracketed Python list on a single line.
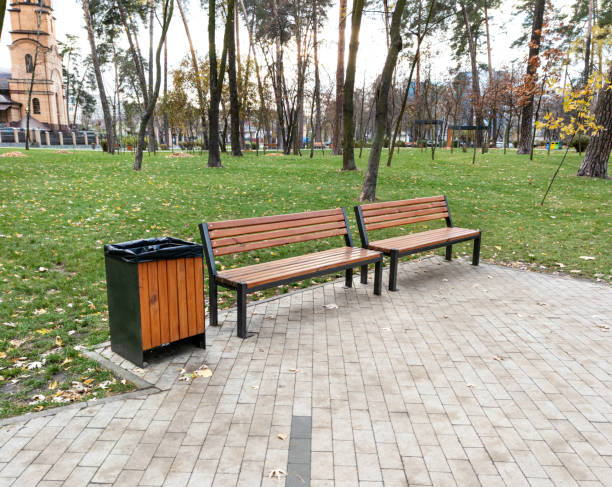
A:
[(163, 146), (104, 144), (580, 143)]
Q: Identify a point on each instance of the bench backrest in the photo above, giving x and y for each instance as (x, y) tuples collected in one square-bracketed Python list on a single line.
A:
[(235, 236), (375, 216)]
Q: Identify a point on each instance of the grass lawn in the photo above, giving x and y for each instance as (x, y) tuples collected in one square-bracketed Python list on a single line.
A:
[(57, 211)]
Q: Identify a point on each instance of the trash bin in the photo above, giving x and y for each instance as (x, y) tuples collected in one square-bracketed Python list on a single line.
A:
[(155, 293)]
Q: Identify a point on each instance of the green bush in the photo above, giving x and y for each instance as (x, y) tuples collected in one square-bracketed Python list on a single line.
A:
[(129, 140), (104, 145), (580, 143)]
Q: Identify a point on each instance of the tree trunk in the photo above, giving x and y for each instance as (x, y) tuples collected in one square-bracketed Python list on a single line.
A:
[(216, 85), (368, 191), (166, 92), (595, 162), (348, 105), (108, 121), (532, 67), (476, 101), (587, 48), (317, 78), (29, 105), (2, 12), (339, 79), (233, 82), (152, 141), (167, 9), (196, 71)]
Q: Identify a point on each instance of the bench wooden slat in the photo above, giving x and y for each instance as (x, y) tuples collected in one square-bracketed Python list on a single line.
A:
[(255, 237), (287, 265), (311, 263), (406, 221), (400, 209), (422, 239), (232, 249), (391, 204), (273, 219), (287, 262), (405, 214), (244, 230)]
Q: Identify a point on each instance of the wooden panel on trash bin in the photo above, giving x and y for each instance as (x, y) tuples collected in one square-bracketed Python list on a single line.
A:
[(191, 295), (173, 307), (162, 279), (154, 304), (143, 290), (199, 295), (182, 298)]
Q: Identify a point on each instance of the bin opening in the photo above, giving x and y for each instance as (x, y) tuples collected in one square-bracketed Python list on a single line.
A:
[(151, 249)]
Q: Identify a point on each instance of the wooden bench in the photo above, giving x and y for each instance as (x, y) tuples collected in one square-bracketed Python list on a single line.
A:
[(376, 216), (237, 236)]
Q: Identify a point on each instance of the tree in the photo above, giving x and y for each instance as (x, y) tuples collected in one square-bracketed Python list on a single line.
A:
[(348, 120), (340, 78), (233, 81), (368, 191), (532, 68), (2, 13), (108, 121), (595, 162), (216, 82), (476, 101), (199, 84), (167, 10), (36, 51)]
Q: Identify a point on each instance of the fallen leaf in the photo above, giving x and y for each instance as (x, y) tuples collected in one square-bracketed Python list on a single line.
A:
[(34, 365), (282, 436), (498, 358), (88, 382), (42, 269), (58, 341), (53, 386), (277, 473), (498, 247), (203, 371), (331, 306), (2, 354), (293, 370), (586, 257), (603, 327)]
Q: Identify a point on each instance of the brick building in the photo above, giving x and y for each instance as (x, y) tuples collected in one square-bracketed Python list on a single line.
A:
[(48, 106)]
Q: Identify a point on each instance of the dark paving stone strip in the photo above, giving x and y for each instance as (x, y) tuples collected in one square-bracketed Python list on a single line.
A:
[(298, 468)]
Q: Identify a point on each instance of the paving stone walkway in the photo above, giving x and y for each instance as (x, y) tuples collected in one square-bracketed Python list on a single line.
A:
[(466, 376)]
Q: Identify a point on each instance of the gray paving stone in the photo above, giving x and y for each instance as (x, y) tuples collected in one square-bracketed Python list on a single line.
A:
[(466, 376)]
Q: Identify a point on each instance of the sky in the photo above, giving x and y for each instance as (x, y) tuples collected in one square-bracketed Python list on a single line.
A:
[(505, 27)]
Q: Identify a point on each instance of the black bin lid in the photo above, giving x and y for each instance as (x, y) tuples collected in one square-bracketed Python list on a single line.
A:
[(153, 249)]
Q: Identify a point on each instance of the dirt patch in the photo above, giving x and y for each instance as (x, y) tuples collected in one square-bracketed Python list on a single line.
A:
[(178, 155), (274, 154), (61, 151), (13, 154)]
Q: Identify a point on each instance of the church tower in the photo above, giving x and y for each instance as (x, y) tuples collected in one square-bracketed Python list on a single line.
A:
[(48, 95)]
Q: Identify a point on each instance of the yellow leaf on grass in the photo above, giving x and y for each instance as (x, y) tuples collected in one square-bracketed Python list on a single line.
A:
[(44, 331), (59, 342), (2, 354), (88, 381), (53, 386)]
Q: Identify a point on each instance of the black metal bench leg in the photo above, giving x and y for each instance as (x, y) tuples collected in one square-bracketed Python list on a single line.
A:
[(212, 302), (449, 252), (242, 301), (393, 270), (378, 278), (348, 281), (364, 274), (476, 254)]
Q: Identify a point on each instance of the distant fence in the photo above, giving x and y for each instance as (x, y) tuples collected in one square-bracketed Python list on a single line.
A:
[(41, 138)]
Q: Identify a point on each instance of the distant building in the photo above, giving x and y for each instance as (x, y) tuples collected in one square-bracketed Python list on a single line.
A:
[(48, 107)]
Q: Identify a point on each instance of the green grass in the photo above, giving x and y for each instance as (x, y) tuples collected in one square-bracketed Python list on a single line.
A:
[(57, 211)]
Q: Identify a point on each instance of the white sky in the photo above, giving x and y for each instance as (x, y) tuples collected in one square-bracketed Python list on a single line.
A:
[(505, 27)]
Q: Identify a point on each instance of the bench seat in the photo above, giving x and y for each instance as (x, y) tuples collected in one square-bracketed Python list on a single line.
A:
[(419, 241), (293, 269)]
